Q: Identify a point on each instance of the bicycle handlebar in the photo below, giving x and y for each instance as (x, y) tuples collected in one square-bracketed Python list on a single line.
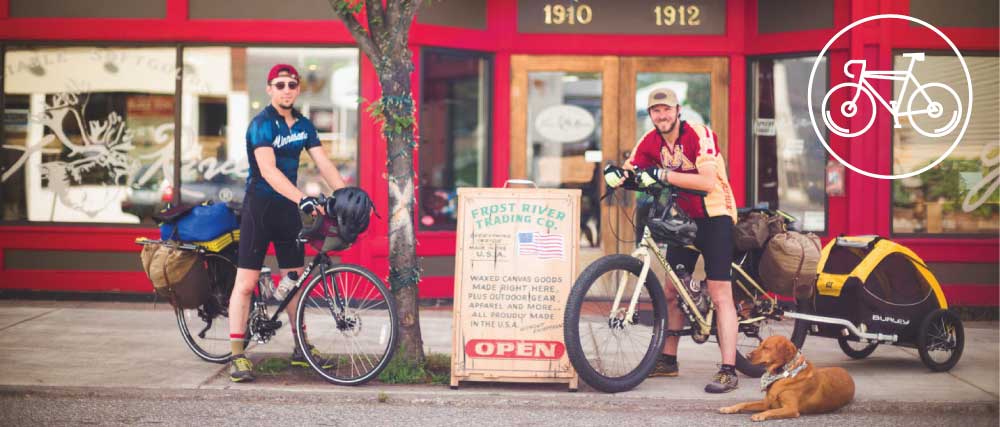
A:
[(632, 183), (317, 222)]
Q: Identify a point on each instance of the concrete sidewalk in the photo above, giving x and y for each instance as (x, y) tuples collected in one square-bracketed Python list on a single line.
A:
[(136, 345)]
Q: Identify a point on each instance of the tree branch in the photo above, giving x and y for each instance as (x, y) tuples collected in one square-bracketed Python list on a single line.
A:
[(376, 18), (400, 16), (360, 34)]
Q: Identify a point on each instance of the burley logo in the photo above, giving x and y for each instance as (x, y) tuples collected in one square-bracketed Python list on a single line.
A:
[(932, 109)]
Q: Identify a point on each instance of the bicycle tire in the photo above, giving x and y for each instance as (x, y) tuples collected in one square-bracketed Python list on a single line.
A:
[(364, 359), (207, 348), (743, 363), (599, 377), (941, 329)]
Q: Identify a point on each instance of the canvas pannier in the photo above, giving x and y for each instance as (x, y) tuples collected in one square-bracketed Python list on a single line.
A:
[(751, 232), (788, 265), (179, 275)]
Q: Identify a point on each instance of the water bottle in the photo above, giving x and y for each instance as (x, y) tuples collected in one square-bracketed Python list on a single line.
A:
[(266, 284), (286, 285), (682, 274)]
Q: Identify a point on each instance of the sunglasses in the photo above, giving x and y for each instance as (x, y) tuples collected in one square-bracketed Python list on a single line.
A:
[(281, 85)]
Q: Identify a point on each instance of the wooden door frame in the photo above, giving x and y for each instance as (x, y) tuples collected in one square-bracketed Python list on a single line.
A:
[(608, 66), (716, 67)]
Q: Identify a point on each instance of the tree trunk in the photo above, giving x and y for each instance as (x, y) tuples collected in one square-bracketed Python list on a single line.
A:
[(385, 43), (397, 105)]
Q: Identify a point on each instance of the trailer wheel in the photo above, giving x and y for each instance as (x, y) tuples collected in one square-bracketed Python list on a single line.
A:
[(941, 340), (856, 349)]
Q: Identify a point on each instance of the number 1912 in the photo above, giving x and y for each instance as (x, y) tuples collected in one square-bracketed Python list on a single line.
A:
[(684, 15)]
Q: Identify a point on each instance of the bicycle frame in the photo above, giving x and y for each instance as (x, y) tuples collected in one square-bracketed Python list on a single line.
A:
[(703, 323), (321, 262), (904, 76)]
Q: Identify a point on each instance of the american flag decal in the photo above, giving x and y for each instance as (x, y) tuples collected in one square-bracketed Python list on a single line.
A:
[(544, 246)]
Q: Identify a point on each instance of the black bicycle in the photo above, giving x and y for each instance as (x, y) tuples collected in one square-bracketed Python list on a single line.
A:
[(349, 312)]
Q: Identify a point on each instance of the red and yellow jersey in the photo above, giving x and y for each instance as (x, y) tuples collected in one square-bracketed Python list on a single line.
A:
[(696, 147)]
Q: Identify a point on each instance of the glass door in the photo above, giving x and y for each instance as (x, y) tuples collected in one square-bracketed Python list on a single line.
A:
[(702, 87), (563, 113)]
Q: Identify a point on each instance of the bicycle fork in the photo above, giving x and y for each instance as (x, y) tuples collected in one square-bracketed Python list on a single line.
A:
[(614, 321)]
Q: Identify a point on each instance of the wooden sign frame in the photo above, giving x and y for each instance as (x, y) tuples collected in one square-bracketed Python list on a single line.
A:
[(515, 262)]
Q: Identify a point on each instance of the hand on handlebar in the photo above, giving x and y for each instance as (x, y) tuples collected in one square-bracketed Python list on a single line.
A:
[(614, 176), (649, 176), (311, 206)]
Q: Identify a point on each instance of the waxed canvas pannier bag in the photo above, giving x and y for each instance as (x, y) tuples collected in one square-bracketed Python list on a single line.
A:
[(178, 275), (751, 232), (788, 265)]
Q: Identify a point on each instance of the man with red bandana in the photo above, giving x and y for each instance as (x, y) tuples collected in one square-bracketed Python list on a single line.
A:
[(687, 156)]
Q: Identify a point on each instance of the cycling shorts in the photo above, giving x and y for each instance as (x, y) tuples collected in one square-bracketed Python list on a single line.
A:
[(715, 241), (267, 220)]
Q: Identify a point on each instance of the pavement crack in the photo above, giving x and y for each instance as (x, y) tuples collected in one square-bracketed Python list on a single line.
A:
[(29, 319)]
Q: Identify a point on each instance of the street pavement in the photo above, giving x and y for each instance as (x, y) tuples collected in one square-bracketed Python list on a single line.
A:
[(60, 351)]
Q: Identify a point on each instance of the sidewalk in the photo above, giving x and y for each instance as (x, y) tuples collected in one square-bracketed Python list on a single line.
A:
[(137, 345)]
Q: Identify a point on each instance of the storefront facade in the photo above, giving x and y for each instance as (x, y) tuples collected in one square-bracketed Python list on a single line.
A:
[(544, 90)]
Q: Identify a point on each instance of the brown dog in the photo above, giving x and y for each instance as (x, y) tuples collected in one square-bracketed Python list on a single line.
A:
[(796, 387)]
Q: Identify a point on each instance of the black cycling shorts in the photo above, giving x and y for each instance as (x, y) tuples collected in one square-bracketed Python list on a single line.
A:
[(266, 220), (715, 241)]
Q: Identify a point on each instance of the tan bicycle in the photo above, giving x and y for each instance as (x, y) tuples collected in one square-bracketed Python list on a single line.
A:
[(615, 321)]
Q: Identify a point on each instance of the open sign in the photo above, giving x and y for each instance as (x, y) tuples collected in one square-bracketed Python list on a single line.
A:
[(514, 349)]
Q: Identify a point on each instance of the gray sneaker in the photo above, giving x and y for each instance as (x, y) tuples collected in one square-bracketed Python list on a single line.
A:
[(723, 382), (241, 370), (299, 359), (664, 368)]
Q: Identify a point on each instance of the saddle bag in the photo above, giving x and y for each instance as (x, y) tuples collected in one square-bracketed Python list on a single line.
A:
[(788, 265), (178, 275)]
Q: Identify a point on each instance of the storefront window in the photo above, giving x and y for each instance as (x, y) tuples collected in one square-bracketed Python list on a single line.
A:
[(454, 132), (225, 87), (788, 161), (82, 127), (960, 195)]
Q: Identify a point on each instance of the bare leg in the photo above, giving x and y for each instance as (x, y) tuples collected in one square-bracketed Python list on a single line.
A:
[(728, 326), (239, 301), (294, 303), (675, 319)]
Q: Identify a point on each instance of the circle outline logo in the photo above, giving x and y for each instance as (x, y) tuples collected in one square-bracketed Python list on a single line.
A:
[(812, 115)]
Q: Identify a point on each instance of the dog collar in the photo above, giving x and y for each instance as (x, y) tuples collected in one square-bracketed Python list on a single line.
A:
[(787, 371)]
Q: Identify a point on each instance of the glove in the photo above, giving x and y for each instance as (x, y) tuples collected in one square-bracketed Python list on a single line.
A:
[(614, 176), (650, 176), (308, 204)]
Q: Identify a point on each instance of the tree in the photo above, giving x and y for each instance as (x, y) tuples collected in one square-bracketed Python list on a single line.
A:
[(385, 41)]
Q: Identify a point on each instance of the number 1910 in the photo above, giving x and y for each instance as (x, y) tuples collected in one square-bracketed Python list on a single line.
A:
[(558, 14)]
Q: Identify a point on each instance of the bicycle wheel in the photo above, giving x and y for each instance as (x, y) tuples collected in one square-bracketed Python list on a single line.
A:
[(349, 316), (611, 353), (940, 110), (848, 108), (205, 330), (752, 334), (941, 340)]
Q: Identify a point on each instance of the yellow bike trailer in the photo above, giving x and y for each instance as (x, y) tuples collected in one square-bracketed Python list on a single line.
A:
[(871, 290)]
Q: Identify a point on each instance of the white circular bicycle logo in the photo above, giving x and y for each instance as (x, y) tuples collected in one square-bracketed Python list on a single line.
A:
[(932, 109)]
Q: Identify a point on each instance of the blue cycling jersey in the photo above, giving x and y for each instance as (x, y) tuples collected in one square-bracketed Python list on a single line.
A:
[(268, 129)]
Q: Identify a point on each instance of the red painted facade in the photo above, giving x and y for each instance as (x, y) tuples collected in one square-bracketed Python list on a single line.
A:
[(860, 211)]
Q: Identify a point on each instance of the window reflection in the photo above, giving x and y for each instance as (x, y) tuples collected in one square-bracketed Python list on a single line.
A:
[(789, 169), (454, 133), (960, 195), (82, 126)]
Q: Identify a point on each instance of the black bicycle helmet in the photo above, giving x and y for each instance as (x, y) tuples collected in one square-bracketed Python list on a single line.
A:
[(676, 230), (351, 208)]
